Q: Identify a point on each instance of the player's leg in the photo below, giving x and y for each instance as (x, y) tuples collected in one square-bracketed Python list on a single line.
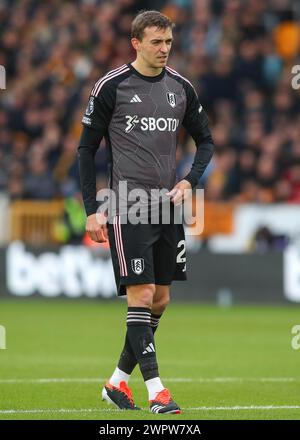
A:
[(131, 249), (160, 399), (161, 300), (139, 341), (139, 332), (127, 361), (116, 390), (165, 256), (141, 338)]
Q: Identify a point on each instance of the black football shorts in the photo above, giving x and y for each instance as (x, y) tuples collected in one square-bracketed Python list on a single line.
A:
[(146, 253)]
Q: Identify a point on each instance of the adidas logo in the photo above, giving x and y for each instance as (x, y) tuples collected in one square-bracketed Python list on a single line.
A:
[(156, 408), (136, 98), (149, 349)]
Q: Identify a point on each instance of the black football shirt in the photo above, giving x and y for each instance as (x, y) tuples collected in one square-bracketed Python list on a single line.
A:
[(140, 118)]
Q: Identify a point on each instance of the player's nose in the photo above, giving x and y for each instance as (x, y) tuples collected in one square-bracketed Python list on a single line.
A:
[(164, 48)]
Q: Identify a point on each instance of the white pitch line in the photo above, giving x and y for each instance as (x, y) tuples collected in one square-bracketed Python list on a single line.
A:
[(170, 379), (53, 410), (241, 408), (232, 379), (55, 380), (199, 408)]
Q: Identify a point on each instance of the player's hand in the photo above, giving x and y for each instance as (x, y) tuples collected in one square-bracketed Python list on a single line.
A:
[(96, 227), (179, 193)]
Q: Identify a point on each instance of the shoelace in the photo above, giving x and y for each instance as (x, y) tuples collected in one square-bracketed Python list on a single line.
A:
[(163, 396), (127, 391)]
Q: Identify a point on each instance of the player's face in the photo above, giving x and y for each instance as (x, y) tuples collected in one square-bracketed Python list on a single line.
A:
[(155, 46)]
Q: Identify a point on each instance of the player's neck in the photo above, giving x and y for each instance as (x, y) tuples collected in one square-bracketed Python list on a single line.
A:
[(146, 70)]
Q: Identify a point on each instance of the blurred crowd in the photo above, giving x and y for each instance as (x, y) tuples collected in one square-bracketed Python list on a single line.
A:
[(238, 53)]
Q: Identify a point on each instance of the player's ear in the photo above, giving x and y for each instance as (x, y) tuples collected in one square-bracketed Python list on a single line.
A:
[(135, 43)]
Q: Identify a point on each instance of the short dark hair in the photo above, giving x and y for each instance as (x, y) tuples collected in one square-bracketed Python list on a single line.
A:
[(148, 19)]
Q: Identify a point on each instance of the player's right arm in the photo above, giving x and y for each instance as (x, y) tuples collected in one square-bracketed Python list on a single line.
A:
[(95, 124)]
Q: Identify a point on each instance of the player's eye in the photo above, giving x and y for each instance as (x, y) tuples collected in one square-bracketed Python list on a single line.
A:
[(158, 42)]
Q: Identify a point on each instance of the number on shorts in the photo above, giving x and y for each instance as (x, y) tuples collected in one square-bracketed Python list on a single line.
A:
[(180, 258)]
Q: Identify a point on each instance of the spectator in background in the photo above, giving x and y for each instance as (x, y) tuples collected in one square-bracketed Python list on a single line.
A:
[(40, 183), (265, 240)]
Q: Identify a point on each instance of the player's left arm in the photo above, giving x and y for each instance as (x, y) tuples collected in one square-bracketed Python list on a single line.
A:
[(195, 121)]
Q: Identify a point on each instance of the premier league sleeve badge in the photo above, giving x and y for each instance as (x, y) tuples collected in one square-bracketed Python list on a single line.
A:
[(90, 107)]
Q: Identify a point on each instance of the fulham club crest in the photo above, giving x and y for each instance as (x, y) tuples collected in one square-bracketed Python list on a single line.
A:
[(171, 97), (137, 265)]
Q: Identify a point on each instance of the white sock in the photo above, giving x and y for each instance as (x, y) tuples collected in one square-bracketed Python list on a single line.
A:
[(154, 386), (119, 376)]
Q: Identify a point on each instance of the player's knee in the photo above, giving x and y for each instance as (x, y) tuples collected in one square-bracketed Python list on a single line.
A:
[(161, 302), (146, 295), (164, 302), (141, 295)]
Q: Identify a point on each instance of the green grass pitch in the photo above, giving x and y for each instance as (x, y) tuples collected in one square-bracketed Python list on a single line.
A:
[(234, 363)]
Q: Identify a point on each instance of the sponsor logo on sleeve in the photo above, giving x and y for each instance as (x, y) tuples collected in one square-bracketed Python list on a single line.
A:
[(90, 107), (86, 120)]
